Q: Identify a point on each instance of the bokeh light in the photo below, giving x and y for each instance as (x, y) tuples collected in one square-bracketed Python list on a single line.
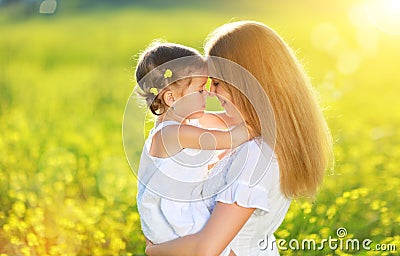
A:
[(384, 14), (48, 7)]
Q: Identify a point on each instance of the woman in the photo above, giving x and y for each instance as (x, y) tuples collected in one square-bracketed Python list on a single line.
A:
[(246, 213)]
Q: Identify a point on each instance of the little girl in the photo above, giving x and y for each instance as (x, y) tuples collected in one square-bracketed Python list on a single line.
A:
[(177, 151)]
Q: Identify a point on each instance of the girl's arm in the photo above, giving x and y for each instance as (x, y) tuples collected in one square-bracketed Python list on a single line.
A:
[(224, 224), (187, 136)]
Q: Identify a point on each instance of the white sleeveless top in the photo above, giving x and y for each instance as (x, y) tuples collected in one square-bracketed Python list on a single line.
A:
[(169, 191), (249, 176)]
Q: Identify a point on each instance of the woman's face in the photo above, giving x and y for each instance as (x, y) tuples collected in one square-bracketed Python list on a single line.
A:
[(224, 98)]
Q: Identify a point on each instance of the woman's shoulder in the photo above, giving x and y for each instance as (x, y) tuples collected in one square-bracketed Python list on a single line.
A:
[(252, 176), (254, 163)]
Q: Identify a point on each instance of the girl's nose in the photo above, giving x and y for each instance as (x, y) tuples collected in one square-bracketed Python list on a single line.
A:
[(211, 94), (212, 90)]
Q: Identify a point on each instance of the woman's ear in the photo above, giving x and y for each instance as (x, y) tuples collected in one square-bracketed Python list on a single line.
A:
[(168, 98)]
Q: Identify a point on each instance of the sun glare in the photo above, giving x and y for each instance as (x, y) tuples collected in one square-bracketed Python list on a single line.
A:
[(384, 14)]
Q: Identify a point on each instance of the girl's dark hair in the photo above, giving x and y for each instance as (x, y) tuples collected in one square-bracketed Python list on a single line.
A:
[(151, 73)]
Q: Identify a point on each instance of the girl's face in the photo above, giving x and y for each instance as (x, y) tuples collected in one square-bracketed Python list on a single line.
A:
[(224, 98), (193, 102)]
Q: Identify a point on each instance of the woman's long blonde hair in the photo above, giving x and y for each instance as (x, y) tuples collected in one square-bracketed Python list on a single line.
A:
[(303, 143)]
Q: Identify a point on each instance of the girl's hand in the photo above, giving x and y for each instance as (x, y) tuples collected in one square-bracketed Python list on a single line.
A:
[(240, 134)]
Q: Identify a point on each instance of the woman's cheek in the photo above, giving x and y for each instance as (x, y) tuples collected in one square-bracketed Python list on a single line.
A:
[(230, 109)]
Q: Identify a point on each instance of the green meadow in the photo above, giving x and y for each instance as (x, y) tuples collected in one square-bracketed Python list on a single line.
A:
[(66, 187)]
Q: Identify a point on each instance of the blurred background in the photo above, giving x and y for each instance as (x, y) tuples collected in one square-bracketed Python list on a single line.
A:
[(66, 73)]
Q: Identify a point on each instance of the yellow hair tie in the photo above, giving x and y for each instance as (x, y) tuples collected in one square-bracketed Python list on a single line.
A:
[(167, 73), (154, 91)]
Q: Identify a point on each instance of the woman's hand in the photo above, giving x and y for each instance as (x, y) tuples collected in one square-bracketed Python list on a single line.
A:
[(231, 253), (148, 244), (224, 224)]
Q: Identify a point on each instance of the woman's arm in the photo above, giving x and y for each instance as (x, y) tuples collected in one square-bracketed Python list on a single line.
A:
[(223, 225)]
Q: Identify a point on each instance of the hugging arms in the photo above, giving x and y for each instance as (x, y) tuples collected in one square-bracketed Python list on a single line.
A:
[(288, 156)]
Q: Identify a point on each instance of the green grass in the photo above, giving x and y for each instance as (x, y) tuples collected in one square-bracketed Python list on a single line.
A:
[(65, 184)]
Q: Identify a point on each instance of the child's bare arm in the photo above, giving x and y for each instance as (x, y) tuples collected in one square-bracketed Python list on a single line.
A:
[(187, 136)]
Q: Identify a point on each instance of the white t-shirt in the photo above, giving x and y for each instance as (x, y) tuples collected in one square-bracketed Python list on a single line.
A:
[(169, 191), (249, 176)]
